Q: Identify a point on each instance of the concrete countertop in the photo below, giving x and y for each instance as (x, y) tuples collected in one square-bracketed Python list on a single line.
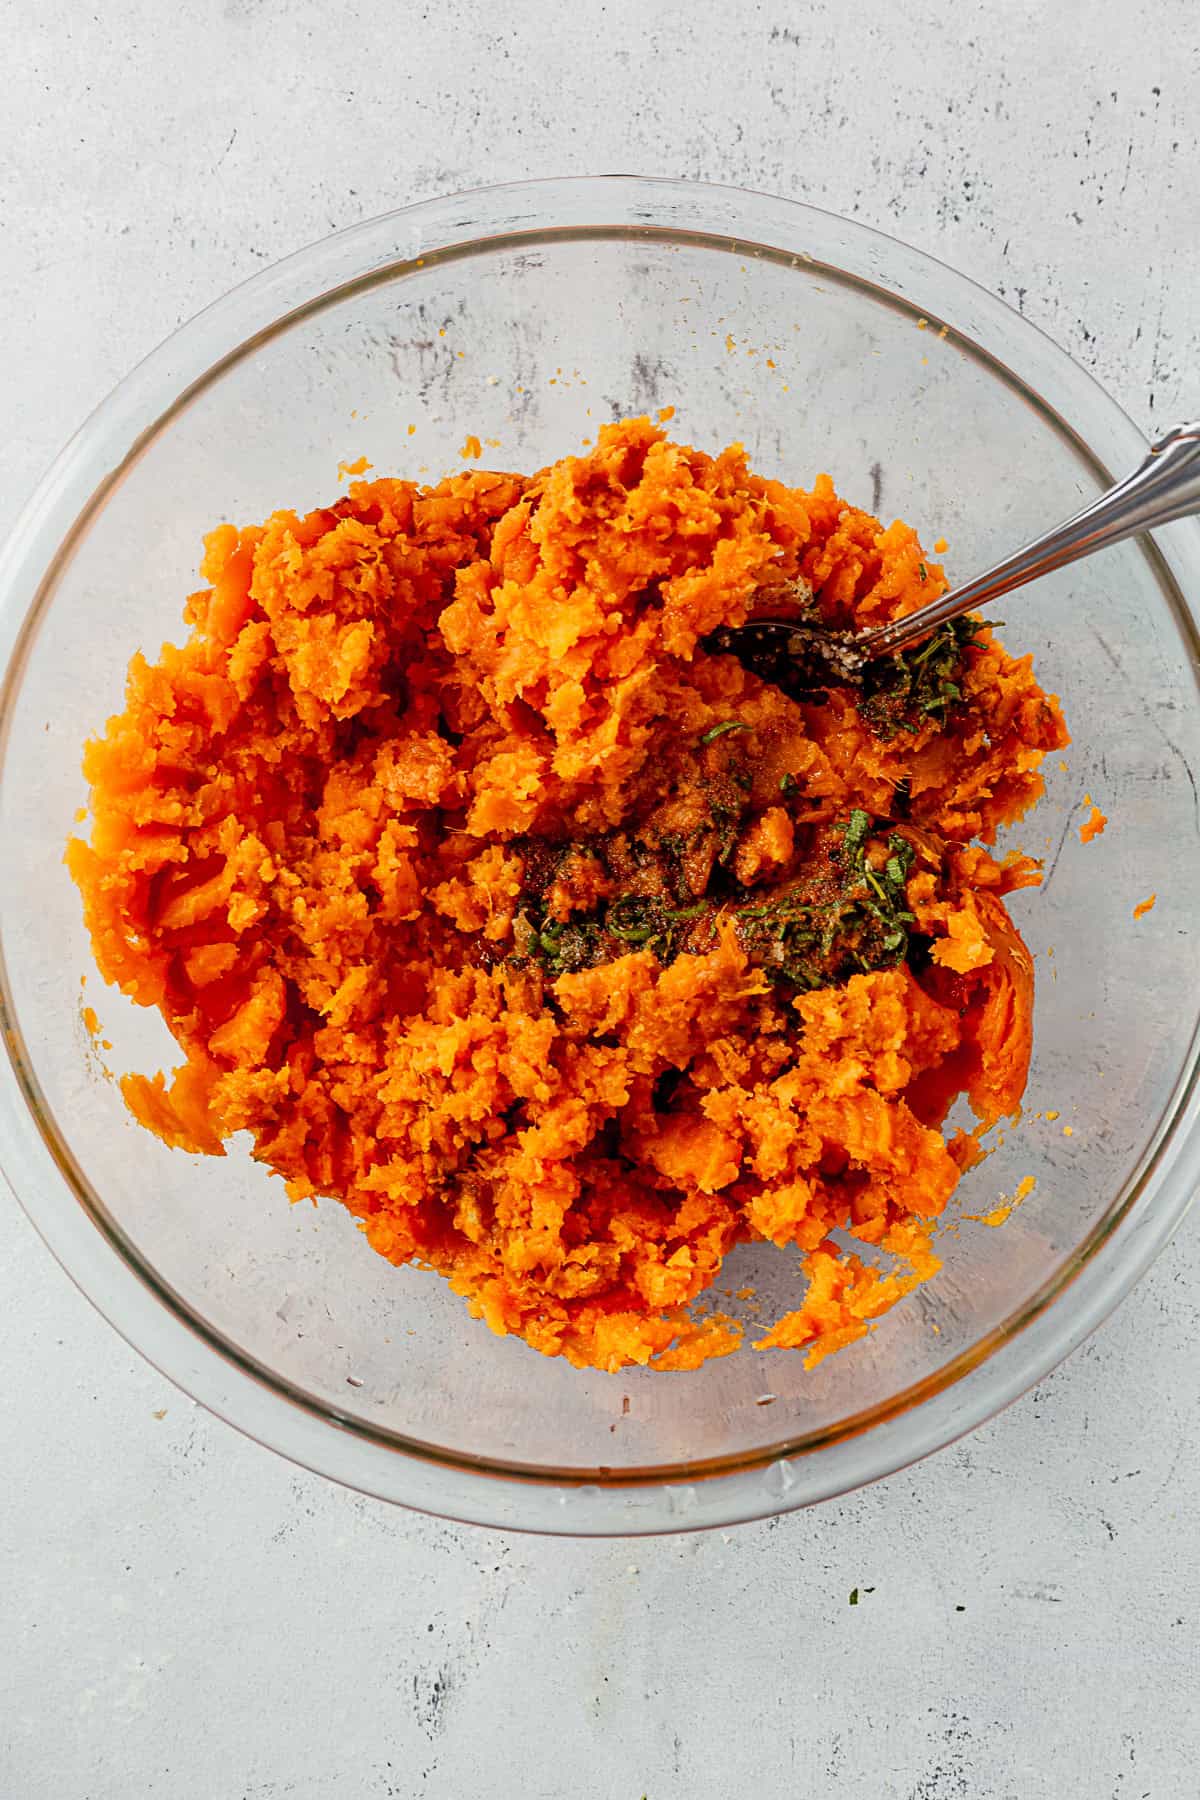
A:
[(184, 1615)]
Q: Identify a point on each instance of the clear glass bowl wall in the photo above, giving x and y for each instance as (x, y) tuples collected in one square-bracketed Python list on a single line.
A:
[(530, 316)]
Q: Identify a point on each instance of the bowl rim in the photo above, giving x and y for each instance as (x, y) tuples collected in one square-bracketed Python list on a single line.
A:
[(95, 1253)]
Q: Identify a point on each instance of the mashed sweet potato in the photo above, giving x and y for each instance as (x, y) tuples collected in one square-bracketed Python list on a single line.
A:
[(563, 951)]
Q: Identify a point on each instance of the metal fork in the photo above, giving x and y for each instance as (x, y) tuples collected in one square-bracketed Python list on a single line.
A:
[(1163, 487)]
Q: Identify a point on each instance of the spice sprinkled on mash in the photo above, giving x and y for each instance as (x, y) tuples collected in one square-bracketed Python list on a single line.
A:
[(564, 952)]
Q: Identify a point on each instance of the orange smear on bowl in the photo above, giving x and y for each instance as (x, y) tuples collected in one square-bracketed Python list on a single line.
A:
[(1000, 1215), (1092, 826)]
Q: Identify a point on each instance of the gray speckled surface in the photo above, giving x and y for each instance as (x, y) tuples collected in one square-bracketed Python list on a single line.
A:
[(183, 1614)]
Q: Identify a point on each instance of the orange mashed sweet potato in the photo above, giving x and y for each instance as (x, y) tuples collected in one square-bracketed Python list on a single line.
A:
[(564, 951)]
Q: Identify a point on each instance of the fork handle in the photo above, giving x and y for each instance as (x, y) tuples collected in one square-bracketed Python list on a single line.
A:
[(1165, 486)]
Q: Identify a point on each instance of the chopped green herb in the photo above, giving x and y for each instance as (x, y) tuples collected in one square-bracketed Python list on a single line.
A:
[(633, 919), (900, 693), (862, 922), (857, 829), (720, 730), (854, 1596), (565, 948), (630, 922), (847, 914), (787, 784), (922, 571)]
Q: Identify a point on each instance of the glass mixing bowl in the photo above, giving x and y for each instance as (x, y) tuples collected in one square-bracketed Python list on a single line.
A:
[(527, 315)]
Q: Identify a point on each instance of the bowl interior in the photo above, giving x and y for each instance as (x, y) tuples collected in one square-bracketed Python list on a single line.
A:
[(529, 345)]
